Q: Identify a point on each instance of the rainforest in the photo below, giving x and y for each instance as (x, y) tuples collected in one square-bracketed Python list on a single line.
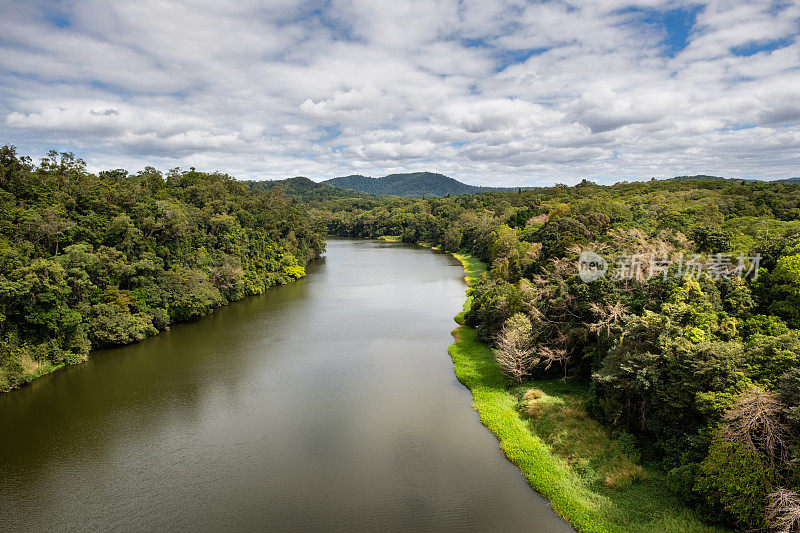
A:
[(693, 377), (98, 260), (664, 397)]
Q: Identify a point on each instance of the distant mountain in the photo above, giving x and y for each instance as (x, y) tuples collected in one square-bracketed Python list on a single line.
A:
[(306, 189), (718, 178), (412, 185), (700, 177)]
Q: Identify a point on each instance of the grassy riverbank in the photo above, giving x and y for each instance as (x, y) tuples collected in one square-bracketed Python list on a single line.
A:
[(565, 455)]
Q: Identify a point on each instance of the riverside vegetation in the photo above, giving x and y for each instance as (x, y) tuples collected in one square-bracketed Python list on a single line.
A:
[(676, 397), (97, 260), (665, 403)]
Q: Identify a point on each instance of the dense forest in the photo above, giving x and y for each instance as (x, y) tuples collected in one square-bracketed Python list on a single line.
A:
[(96, 260), (689, 346), (410, 185), (306, 190)]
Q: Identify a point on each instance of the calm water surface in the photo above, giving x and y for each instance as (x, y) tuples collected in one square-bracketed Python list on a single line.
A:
[(325, 405)]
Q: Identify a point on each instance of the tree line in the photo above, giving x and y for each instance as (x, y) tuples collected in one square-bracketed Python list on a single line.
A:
[(698, 371), (92, 260), (701, 370)]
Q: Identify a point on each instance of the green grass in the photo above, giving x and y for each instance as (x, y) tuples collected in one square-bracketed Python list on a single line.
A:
[(473, 267), (391, 238), (565, 455), (558, 416), (429, 245)]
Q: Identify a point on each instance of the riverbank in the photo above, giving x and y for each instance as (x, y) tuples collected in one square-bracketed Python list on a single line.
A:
[(26, 369), (565, 455), (273, 399)]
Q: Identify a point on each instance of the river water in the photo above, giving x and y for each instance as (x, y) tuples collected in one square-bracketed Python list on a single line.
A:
[(326, 405)]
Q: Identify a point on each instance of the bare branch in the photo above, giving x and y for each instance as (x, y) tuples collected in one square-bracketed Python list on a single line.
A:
[(755, 421), (783, 511)]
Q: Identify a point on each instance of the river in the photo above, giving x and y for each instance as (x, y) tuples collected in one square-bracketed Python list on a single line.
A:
[(329, 404)]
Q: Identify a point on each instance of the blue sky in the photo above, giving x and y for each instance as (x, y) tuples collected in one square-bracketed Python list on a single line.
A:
[(506, 92)]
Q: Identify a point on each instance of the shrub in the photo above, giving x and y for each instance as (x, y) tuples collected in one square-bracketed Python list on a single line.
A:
[(533, 394), (739, 479), (624, 474)]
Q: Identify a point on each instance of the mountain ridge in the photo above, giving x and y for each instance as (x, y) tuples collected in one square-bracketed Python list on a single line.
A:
[(410, 185), (415, 185)]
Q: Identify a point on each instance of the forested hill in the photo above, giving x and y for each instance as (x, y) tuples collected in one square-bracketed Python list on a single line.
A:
[(306, 190), (413, 185), (417, 185), (95, 260)]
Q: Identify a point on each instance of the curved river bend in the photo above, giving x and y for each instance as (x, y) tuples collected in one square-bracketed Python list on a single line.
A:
[(325, 405)]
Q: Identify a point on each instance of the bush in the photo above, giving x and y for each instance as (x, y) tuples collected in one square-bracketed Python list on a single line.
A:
[(627, 443), (112, 325), (739, 479), (681, 480)]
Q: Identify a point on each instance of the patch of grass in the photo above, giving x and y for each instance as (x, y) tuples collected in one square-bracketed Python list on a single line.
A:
[(565, 455), (391, 238), (559, 418), (429, 245), (533, 394), (30, 366), (548, 474), (473, 267)]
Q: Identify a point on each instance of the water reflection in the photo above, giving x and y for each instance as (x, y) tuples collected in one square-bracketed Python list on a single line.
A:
[(329, 404)]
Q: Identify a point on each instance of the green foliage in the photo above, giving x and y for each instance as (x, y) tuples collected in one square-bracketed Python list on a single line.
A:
[(111, 324), (97, 260), (786, 292), (412, 185), (764, 325), (738, 479), (710, 239), (627, 443), (770, 357), (560, 234), (493, 302), (664, 357)]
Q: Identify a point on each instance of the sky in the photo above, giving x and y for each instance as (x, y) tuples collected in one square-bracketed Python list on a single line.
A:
[(504, 92)]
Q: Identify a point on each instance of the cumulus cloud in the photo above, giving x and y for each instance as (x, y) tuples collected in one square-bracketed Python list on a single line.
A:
[(500, 92)]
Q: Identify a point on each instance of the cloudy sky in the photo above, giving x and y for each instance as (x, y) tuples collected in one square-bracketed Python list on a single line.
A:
[(489, 92)]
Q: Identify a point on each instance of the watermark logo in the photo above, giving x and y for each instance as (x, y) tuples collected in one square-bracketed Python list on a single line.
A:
[(591, 267), (642, 267)]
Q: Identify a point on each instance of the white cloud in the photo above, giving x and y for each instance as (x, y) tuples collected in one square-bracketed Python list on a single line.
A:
[(507, 91)]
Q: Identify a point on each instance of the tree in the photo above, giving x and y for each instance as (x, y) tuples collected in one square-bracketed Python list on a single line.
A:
[(747, 457), (737, 479), (112, 324), (709, 239), (770, 357), (494, 301), (755, 421), (783, 512), (786, 293), (514, 354)]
